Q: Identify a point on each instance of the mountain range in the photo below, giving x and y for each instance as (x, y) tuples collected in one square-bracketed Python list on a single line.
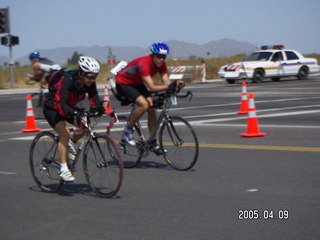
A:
[(178, 49)]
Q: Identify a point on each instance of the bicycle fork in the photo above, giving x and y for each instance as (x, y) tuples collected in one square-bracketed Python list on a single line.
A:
[(103, 162), (174, 136)]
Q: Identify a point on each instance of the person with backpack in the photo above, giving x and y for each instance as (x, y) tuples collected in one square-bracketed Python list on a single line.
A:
[(68, 87), (42, 68)]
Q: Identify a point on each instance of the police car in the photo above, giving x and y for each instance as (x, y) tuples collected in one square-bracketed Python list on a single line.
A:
[(272, 62)]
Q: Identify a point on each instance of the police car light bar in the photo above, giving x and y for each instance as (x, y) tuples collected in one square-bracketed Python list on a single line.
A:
[(265, 47)]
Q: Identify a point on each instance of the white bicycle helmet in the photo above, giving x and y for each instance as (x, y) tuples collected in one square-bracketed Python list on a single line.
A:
[(88, 64)]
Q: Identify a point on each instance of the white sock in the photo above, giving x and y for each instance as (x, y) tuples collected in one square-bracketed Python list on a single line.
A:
[(63, 167)]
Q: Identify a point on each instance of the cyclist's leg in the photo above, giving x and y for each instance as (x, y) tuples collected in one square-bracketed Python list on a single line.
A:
[(152, 115), (131, 154), (137, 94), (57, 122), (76, 137), (152, 119), (64, 133), (142, 105)]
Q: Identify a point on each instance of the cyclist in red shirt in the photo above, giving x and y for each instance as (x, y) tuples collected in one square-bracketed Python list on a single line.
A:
[(135, 82), (71, 87)]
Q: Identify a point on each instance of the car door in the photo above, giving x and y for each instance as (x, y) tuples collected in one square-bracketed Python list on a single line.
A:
[(291, 64), (276, 69)]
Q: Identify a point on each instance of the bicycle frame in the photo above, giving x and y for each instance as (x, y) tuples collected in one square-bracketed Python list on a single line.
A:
[(163, 117), (89, 134)]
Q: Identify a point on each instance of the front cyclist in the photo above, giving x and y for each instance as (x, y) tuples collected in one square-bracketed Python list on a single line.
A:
[(71, 88), (135, 82)]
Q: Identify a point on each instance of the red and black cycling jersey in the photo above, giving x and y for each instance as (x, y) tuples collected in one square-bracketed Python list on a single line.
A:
[(136, 69), (67, 92)]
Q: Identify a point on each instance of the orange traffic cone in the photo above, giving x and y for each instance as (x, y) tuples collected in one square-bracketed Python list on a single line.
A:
[(106, 98), (30, 119), (244, 100), (252, 128)]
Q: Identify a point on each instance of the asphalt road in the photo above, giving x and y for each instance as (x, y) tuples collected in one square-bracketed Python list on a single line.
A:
[(274, 178)]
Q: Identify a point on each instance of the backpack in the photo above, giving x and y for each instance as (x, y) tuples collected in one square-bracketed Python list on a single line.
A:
[(56, 76), (54, 79)]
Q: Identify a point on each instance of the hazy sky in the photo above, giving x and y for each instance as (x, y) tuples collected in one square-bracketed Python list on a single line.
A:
[(47, 24)]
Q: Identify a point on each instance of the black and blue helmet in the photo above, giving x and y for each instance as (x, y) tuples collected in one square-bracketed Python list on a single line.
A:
[(160, 48)]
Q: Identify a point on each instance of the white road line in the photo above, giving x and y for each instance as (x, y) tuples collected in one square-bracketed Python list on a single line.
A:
[(29, 138), (233, 113), (232, 104), (260, 116), (23, 138), (244, 124), (8, 173)]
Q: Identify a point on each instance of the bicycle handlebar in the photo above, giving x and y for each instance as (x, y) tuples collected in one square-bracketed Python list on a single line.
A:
[(90, 114), (189, 93)]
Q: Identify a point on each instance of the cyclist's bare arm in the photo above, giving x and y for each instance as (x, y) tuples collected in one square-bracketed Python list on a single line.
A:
[(152, 86), (37, 73), (165, 79)]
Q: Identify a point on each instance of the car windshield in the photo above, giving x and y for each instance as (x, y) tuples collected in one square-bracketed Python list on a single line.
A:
[(258, 56)]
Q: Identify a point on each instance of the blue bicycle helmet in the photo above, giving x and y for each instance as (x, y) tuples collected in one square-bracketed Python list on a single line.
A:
[(34, 55), (160, 48)]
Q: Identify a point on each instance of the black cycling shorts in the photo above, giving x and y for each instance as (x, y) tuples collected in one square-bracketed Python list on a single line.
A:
[(53, 117), (132, 92)]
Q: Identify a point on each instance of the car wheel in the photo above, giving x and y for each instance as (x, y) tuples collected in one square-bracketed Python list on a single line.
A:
[(275, 79), (231, 81), (303, 73), (258, 75)]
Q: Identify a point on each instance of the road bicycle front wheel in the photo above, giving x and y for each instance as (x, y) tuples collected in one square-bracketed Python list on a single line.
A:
[(103, 166), (131, 154), (44, 162), (179, 142)]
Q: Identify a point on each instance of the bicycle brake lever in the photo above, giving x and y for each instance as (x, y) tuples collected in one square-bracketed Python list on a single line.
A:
[(112, 121)]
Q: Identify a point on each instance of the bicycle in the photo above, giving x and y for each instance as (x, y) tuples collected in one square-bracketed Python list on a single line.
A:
[(102, 161), (177, 139)]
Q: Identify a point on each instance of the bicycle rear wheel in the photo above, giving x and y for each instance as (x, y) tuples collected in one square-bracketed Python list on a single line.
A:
[(179, 142), (44, 165), (131, 155), (103, 166)]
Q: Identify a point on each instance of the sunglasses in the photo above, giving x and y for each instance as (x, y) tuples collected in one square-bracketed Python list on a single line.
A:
[(91, 77), (164, 56)]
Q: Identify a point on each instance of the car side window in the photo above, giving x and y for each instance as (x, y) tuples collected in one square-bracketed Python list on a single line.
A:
[(277, 57), (291, 55)]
